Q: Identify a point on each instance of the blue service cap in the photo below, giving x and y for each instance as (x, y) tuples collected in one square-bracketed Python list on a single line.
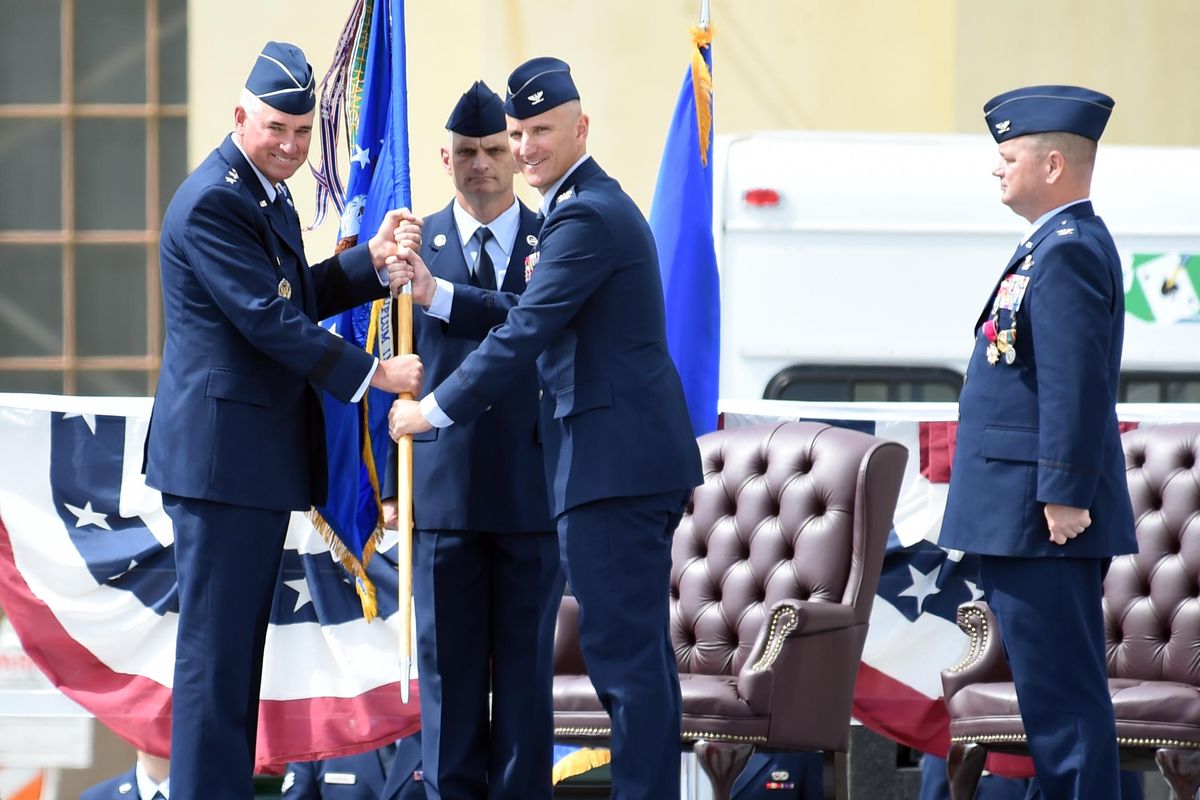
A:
[(479, 112), (1044, 109), (283, 79), (538, 85)]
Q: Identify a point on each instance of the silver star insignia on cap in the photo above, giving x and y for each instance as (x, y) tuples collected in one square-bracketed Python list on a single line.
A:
[(439, 240), (536, 98), (531, 240), (1003, 127)]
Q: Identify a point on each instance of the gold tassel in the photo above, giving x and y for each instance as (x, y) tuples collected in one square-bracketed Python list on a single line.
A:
[(362, 584), (702, 85), (579, 762)]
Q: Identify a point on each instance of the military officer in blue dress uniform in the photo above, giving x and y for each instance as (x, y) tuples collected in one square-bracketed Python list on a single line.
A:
[(619, 454), (391, 772), (236, 440), (486, 575), (1038, 480), (148, 779)]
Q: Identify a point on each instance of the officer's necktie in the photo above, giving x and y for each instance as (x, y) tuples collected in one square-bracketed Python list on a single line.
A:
[(484, 275), (158, 796), (387, 755)]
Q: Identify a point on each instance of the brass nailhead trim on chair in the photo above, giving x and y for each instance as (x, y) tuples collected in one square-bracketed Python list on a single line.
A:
[(978, 640), (1007, 738), (583, 731), (684, 735), (722, 737), (783, 623)]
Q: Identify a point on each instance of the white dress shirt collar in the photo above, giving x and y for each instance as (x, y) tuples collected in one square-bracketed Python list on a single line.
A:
[(146, 785), (503, 228), (268, 187), (1044, 218)]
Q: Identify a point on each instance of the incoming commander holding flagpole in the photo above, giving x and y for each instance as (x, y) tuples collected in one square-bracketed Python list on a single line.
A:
[(619, 454)]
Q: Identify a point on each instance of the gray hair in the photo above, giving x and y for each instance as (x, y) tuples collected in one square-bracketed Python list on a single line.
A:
[(251, 103)]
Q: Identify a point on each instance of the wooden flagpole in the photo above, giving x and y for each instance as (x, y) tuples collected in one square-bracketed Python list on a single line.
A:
[(404, 500)]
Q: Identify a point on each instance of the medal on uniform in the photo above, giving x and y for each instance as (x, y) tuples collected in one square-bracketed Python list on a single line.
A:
[(531, 262), (285, 289)]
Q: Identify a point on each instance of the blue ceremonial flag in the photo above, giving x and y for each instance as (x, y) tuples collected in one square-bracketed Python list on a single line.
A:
[(356, 434), (681, 217)]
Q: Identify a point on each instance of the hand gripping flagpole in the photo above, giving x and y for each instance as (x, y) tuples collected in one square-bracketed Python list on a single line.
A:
[(404, 346)]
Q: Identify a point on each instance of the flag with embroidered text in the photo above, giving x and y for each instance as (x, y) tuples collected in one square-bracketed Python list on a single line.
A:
[(356, 433)]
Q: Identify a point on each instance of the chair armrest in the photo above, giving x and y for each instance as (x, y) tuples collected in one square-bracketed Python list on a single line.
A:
[(568, 655), (984, 661), (789, 628)]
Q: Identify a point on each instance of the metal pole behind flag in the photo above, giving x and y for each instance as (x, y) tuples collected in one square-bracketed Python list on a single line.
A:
[(704, 15), (404, 346)]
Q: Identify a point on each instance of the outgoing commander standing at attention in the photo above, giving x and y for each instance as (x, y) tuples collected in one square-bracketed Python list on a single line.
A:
[(237, 441), (1038, 445), (620, 457), (486, 576)]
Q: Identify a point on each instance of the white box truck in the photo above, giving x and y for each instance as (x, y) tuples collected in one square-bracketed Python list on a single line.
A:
[(854, 265)]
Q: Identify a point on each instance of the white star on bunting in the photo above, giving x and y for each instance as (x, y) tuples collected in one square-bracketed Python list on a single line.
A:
[(86, 516), (90, 419), (923, 585), (303, 594)]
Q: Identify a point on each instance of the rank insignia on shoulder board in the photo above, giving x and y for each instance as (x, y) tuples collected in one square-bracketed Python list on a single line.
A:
[(231, 177), (1065, 231), (567, 195)]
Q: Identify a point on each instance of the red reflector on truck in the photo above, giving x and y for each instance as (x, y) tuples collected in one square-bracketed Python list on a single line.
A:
[(761, 198)]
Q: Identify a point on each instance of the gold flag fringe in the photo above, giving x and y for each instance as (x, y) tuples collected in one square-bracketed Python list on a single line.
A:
[(579, 762), (362, 584), (702, 86)]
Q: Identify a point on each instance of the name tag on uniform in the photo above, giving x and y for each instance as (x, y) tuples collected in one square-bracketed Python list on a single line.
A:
[(341, 778)]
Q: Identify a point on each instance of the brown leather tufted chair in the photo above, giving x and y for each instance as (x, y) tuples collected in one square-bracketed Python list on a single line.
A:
[(1152, 621), (774, 569)]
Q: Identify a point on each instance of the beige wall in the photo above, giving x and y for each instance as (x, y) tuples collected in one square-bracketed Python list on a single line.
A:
[(903, 65)]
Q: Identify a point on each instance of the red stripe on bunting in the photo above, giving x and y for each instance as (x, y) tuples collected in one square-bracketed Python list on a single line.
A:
[(138, 709), (937, 450), (902, 714)]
